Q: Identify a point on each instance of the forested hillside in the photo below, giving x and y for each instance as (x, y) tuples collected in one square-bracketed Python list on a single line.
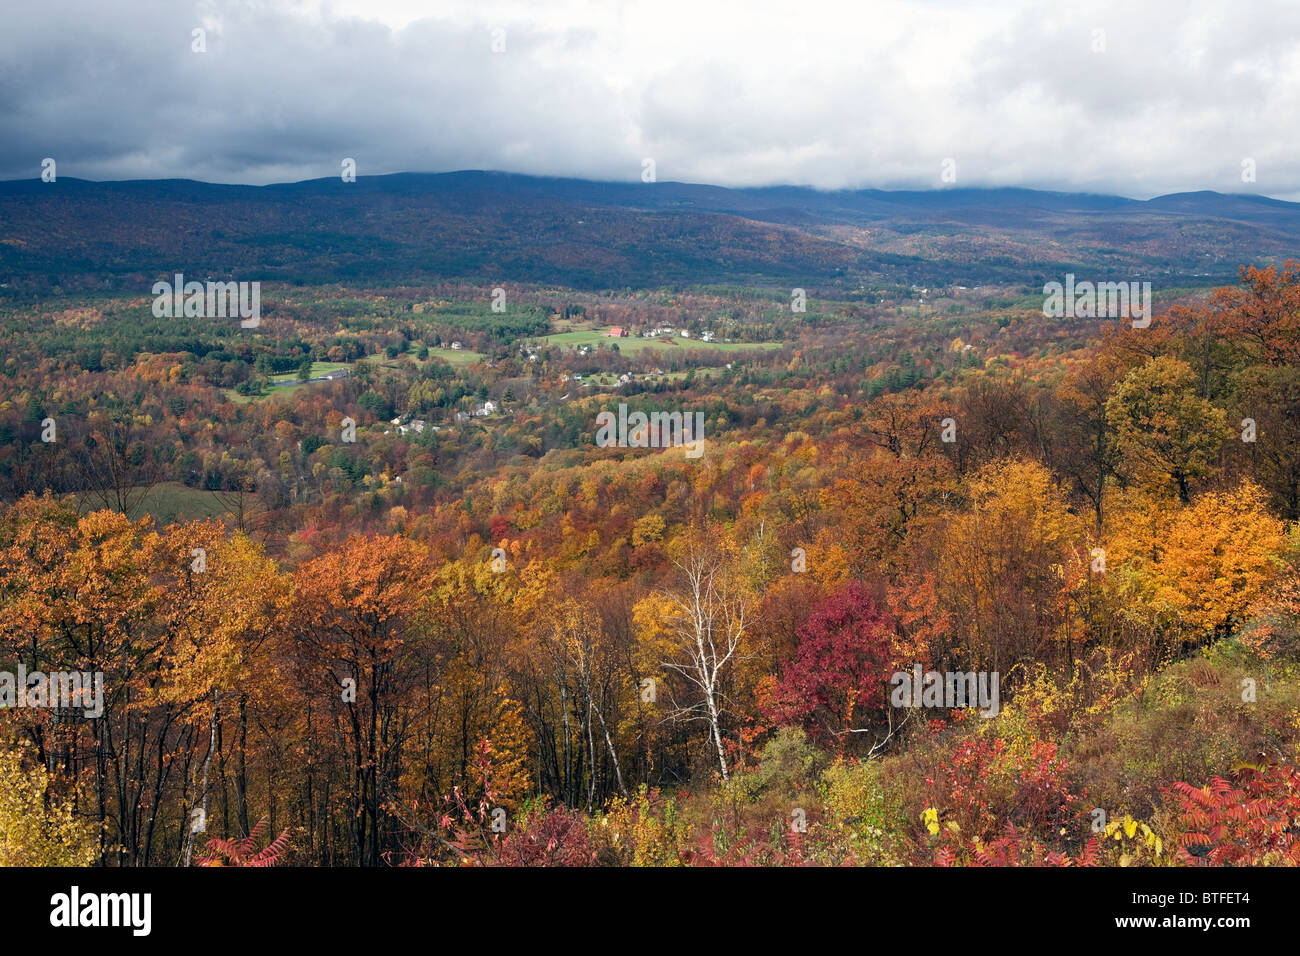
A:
[(369, 574), (75, 236)]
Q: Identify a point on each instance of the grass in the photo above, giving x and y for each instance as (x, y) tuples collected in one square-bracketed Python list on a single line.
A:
[(167, 502), (632, 345), (456, 357), (706, 371), (317, 370), (286, 383)]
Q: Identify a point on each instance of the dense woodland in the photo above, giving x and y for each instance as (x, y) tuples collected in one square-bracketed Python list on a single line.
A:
[(493, 642)]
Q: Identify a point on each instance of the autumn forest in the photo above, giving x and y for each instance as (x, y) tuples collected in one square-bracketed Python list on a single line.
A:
[(365, 587)]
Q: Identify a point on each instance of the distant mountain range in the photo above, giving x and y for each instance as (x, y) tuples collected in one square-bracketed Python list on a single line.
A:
[(75, 235)]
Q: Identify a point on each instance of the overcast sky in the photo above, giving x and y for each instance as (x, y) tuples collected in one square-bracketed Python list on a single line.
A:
[(1135, 98)]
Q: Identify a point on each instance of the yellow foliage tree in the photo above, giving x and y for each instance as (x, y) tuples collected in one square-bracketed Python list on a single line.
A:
[(1001, 566), (38, 828), (1215, 557)]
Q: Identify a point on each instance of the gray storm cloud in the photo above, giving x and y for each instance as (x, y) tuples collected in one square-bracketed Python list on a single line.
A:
[(1136, 99)]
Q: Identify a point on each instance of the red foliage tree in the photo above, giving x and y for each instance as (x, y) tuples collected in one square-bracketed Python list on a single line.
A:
[(836, 684)]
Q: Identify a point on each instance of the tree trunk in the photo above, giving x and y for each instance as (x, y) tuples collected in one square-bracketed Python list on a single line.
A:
[(207, 766)]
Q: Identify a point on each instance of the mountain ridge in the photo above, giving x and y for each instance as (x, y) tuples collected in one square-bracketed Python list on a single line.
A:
[(479, 225), (790, 190)]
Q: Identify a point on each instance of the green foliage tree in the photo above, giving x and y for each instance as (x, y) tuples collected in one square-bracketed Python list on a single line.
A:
[(1165, 431)]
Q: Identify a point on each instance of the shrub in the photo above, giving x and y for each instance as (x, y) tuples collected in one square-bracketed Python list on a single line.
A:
[(632, 833), (38, 827), (1255, 822), (861, 821), (548, 837)]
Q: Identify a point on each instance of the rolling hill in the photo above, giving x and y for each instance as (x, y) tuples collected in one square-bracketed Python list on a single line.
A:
[(75, 235)]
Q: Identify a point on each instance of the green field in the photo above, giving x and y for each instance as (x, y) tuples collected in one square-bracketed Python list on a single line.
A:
[(704, 371), (167, 502), (635, 344), (456, 356), (317, 370)]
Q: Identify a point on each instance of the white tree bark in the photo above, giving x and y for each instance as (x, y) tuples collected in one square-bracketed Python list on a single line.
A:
[(711, 614), (207, 767)]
